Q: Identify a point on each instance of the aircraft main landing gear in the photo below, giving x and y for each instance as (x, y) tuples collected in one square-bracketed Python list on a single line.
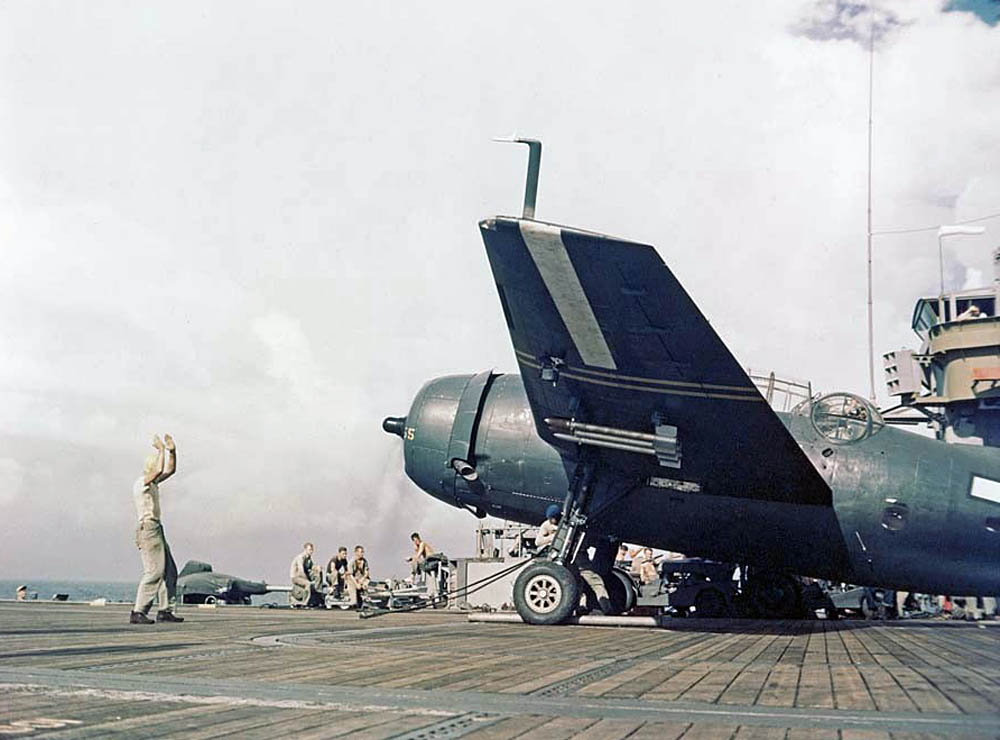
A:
[(774, 595), (546, 592)]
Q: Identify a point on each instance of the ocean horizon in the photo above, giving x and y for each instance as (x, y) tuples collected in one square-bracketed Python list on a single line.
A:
[(78, 590), (89, 590)]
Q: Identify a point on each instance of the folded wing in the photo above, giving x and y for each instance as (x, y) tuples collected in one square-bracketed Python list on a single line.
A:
[(606, 338)]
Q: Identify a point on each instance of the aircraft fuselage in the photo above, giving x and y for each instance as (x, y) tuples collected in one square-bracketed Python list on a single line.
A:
[(902, 513)]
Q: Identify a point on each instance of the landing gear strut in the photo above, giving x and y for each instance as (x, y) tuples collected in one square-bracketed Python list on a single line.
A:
[(548, 590)]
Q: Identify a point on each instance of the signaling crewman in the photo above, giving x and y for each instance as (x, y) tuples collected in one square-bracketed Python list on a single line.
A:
[(159, 572)]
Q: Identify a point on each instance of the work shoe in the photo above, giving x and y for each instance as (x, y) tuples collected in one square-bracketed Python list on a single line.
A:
[(163, 616), (139, 618)]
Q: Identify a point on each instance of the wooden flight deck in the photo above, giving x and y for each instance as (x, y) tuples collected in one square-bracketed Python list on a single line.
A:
[(73, 671)]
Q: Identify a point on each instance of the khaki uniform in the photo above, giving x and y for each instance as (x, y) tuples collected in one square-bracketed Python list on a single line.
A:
[(159, 571), (358, 577), (586, 570), (300, 575)]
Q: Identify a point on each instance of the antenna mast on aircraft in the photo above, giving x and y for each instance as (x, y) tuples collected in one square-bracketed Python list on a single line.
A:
[(534, 164)]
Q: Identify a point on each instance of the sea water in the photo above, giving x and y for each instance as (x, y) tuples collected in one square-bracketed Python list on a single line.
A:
[(113, 591), (77, 590)]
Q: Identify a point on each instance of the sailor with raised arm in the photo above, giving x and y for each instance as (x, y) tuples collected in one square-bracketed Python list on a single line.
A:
[(159, 572)]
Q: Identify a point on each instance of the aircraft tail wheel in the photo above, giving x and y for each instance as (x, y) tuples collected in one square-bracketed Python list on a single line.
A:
[(710, 603), (546, 593), (776, 596)]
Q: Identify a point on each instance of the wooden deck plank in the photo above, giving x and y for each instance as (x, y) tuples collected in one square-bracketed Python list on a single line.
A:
[(849, 689), (759, 732), (745, 687), (678, 684), (710, 731), (660, 731), (305, 723), (155, 717), (780, 688), (815, 685), (873, 672), (609, 729), (510, 727), (559, 728), (629, 676)]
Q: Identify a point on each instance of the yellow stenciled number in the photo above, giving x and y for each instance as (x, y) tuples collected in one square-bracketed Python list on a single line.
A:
[(409, 432)]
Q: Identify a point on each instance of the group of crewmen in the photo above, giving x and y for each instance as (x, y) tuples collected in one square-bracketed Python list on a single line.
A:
[(343, 578)]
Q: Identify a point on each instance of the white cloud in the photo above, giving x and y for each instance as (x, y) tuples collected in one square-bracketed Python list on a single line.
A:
[(261, 236), (11, 480)]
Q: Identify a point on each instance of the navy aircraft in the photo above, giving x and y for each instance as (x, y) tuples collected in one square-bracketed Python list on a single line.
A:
[(632, 415), (197, 583)]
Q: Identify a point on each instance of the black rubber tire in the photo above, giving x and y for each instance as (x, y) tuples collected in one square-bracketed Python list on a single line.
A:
[(631, 592), (711, 603), (546, 593), (868, 610), (775, 596)]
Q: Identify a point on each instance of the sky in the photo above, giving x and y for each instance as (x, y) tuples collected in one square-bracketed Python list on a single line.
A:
[(254, 226)]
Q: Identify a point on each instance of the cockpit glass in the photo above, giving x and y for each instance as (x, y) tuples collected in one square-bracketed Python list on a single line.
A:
[(845, 418)]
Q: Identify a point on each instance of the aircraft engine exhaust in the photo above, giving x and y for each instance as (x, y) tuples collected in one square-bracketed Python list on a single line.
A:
[(394, 425), (465, 469)]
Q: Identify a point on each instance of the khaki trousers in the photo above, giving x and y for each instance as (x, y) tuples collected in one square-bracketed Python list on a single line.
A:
[(356, 588), (301, 592), (159, 571)]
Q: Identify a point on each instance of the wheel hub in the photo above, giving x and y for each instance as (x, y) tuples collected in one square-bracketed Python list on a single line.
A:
[(543, 593)]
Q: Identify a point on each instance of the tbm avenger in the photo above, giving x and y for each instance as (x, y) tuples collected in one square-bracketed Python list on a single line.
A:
[(632, 414)]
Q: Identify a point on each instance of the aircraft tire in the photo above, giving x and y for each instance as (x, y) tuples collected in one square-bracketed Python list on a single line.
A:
[(546, 593), (775, 596), (621, 594), (867, 612), (629, 592), (711, 603)]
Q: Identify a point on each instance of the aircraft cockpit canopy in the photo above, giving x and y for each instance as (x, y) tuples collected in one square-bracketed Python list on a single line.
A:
[(930, 312), (844, 418)]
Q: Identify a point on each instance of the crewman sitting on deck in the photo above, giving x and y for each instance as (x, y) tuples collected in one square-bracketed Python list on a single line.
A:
[(547, 529), (358, 576), (421, 550), (300, 574), (336, 573)]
